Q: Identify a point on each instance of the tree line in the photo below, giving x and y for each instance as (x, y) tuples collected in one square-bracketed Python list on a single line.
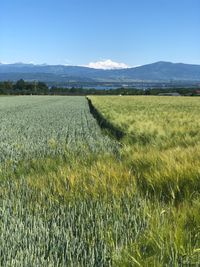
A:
[(22, 87)]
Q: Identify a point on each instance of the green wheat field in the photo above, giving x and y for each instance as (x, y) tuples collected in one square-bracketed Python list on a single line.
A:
[(72, 194)]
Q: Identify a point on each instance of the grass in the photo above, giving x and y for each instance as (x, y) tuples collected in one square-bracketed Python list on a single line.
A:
[(161, 148), (62, 215), (101, 204), (161, 143), (38, 126)]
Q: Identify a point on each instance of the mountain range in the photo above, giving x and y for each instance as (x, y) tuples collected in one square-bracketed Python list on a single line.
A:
[(159, 71)]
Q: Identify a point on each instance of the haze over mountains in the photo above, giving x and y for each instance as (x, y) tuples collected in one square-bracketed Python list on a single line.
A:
[(159, 71)]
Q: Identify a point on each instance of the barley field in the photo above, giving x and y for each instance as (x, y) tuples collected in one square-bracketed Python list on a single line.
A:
[(161, 148), (161, 141), (71, 194)]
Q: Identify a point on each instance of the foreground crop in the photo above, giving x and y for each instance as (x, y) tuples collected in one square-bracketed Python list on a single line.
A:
[(161, 148), (40, 126), (70, 195)]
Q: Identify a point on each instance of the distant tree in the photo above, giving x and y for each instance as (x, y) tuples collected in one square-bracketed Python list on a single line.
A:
[(147, 92), (42, 88), (20, 85), (30, 88), (8, 85)]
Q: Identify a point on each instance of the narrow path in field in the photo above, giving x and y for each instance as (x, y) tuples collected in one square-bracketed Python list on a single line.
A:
[(104, 124)]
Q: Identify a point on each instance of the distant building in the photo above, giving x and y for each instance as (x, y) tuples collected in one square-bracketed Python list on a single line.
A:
[(196, 92), (169, 94)]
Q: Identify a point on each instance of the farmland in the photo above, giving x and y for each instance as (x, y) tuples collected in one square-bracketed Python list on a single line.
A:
[(161, 147), (41, 126), (71, 194), (161, 141)]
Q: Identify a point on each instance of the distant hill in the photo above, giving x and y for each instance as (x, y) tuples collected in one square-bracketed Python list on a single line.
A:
[(159, 71)]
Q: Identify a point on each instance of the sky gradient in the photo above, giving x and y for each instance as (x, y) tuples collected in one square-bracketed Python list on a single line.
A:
[(78, 32)]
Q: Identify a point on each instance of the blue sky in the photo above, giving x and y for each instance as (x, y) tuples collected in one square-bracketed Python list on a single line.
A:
[(78, 32)]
